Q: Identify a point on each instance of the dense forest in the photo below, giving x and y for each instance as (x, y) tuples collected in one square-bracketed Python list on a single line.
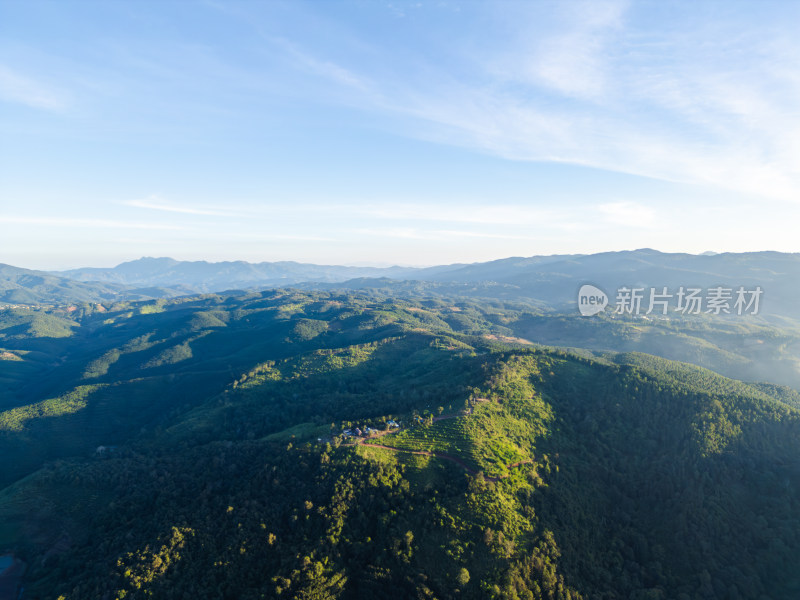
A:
[(291, 444)]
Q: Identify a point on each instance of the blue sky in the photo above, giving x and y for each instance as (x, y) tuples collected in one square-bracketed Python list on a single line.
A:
[(395, 133)]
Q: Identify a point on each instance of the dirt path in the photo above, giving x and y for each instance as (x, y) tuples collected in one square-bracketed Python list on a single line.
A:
[(382, 433)]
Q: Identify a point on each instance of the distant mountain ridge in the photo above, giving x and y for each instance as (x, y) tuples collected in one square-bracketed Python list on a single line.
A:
[(551, 281), (203, 276), (554, 280), (25, 286)]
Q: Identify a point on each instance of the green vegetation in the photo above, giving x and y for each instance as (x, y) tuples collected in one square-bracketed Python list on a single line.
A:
[(170, 356), (479, 440), (21, 323), (748, 349), (100, 366), (150, 309), (15, 419), (301, 431), (519, 471)]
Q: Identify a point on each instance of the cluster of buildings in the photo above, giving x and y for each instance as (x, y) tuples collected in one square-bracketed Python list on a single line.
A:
[(368, 431)]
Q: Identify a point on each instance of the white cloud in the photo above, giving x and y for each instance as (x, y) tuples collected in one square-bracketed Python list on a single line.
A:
[(413, 233), (18, 88), (264, 236), (481, 214), (683, 99), (154, 203), (628, 214), (406, 233), (573, 61), (85, 222), (481, 234)]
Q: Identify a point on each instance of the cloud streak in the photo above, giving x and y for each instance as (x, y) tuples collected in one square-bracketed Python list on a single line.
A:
[(154, 203), (413, 233), (20, 89), (85, 222), (628, 214), (682, 101), (485, 215)]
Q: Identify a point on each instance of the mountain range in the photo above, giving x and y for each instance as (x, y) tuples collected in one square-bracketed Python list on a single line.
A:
[(550, 281), (295, 444)]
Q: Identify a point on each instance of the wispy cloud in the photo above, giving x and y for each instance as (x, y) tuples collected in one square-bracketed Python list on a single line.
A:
[(628, 214), (85, 222), (494, 215), (266, 236), (411, 233), (480, 234), (322, 67), (18, 88), (684, 99), (154, 203), (572, 61)]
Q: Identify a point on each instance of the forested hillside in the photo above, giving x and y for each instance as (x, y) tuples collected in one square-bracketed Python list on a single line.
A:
[(312, 445), (27, 287)]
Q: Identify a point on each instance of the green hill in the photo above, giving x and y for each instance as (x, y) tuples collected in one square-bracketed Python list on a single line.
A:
[(517, 472)]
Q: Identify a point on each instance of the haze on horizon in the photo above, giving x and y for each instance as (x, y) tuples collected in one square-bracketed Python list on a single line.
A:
[(409, 133)]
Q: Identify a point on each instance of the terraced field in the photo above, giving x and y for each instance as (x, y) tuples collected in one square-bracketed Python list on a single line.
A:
[(467, 439)]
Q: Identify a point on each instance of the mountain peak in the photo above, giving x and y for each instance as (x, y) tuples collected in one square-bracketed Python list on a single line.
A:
[(150, 261)]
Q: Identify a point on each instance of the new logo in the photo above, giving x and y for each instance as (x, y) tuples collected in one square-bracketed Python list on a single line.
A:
[(591, 300)]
